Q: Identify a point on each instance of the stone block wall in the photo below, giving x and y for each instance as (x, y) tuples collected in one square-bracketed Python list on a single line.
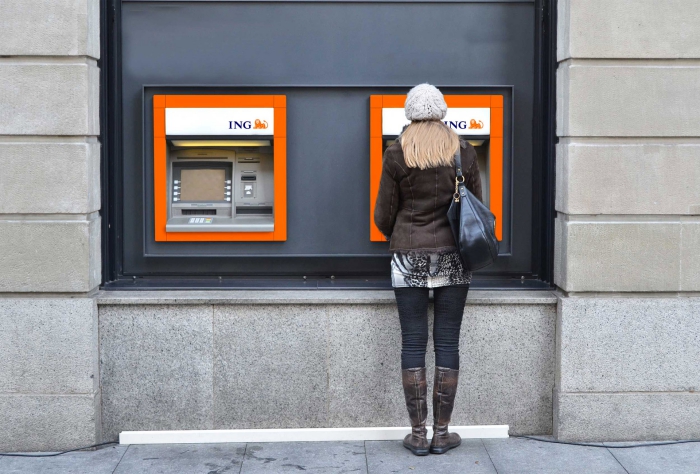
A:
[(627, 251), (49, 223), (299, 363)]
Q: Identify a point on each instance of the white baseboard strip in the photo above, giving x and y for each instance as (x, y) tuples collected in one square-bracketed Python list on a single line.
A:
[(302, 434)]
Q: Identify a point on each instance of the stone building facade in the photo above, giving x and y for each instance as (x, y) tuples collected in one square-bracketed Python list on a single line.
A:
[(49, 223), (627, 256), (608, 354)]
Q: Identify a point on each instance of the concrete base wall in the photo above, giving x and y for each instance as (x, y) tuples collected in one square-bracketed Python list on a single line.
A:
[(49, 378), (275, 362), (646, 416), (627, 369)]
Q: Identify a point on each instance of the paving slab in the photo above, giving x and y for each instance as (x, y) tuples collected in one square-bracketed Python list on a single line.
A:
[(325, 457), (101, 461), (392, 457), (515, 456), (676, 458), (182, 459), (375, 457)]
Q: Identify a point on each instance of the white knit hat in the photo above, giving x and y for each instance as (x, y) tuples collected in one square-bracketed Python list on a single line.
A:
[(425, 102)]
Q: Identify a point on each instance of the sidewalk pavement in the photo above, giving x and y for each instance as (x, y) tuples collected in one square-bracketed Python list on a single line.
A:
[(502, 456)]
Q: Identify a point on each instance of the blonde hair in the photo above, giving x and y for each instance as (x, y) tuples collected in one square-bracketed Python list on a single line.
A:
[(429, 144)]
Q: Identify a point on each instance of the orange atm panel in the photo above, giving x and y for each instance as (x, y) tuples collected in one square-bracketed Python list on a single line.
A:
[(477, 118), (220, 166)]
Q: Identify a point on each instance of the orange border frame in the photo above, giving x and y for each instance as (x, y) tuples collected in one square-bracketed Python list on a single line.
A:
[(494, 102), (279, 103)]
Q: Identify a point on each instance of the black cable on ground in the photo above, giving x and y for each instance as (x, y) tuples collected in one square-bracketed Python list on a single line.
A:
[(594, 445), (57, 454)]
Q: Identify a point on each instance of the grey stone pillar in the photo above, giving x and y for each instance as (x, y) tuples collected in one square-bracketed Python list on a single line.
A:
[(49, 224), (627, 251)]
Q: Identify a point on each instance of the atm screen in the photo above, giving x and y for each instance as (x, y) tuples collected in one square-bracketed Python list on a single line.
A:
[(202, 184)]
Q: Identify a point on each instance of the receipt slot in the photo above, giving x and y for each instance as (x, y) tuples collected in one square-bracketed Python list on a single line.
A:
[(219, 168), (476, 118)]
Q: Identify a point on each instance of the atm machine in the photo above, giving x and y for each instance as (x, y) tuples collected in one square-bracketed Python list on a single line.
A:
[(475, 118), (219, 168), (220, 189)]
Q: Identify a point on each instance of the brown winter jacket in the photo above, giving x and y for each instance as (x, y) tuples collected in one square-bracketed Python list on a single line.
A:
[(411, 207)]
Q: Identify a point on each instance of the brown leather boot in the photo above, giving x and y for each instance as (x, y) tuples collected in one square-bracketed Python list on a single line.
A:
[(444, 391), (415, 388)]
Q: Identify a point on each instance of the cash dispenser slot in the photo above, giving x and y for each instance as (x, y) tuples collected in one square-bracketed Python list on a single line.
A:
[(198, 212), (220, 164)]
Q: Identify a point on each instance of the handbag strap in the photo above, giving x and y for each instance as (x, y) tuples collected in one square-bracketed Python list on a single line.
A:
[(458, 161), (458, 165)]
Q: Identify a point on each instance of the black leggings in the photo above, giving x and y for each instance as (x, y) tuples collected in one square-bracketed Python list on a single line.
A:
[(413, 313)]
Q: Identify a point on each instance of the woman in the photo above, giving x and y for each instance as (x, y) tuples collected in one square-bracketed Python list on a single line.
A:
[(415, 192)]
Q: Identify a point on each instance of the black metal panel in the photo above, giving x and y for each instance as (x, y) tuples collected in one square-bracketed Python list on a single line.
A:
[(327, 57), (330, 1), (327, 171), (299, 283), (545, 139)]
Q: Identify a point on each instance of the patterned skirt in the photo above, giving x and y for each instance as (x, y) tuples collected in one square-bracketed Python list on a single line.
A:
[(428, 270)]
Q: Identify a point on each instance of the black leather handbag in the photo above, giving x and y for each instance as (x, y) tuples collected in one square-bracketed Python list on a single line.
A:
[(473, 225)]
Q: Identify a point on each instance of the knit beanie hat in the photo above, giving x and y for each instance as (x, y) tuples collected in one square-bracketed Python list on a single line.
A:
[(425, 102)]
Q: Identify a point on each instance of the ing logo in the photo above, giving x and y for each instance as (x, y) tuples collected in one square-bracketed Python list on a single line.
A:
[(463, 125), (247, 124), (474, 125)]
